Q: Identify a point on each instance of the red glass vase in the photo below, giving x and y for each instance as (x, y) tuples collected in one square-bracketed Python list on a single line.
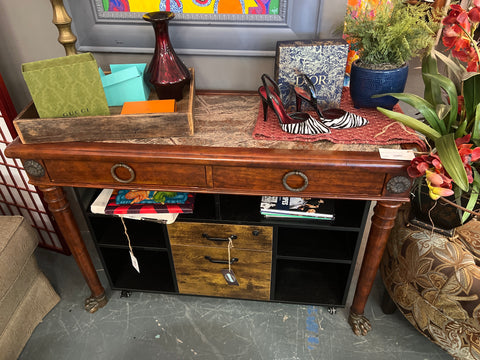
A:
[(166, 73)]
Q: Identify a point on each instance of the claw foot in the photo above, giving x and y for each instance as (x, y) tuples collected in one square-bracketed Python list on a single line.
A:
[(359, 323), (93, 303)]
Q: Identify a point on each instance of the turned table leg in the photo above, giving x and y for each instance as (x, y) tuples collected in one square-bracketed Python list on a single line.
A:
[(60, 208), (382, 223)]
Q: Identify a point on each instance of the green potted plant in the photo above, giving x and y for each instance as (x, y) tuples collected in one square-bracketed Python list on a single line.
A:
[(385, 38), (450, 111)]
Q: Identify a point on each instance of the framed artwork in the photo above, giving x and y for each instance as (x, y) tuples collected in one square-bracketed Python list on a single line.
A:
[(200, 27)]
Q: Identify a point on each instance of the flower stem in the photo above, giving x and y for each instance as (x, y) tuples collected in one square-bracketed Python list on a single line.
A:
[(471, 39), (459, 207)]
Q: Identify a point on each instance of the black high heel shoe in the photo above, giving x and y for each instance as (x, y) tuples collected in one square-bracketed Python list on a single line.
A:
[(294, 123), (333, 118)]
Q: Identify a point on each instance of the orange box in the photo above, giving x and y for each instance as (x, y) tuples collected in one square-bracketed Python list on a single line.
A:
[(149, 107)]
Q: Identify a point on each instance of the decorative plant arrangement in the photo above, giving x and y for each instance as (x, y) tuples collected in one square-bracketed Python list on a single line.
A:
[(451, 113), (386, 36), (391, 33)]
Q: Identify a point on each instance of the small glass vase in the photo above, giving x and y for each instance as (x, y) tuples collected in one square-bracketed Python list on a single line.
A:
[(166, 73)]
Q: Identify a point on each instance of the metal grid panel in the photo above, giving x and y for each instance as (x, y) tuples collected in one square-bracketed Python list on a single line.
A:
[(17, 196)]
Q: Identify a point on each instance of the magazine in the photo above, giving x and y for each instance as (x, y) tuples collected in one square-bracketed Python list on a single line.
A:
[(273, 206), (113, 202)]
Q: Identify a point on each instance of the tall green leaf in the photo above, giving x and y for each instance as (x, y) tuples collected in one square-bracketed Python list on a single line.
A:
[(451, 161), (471, 95), (476, 124), (449, 87), (432, 92), (473, 195), (423, 106), (455, 70), (412, 123)]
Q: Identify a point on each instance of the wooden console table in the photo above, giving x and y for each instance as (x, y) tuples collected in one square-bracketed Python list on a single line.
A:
[(221, 158)]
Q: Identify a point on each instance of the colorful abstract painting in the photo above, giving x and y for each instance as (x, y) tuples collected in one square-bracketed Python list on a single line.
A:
[(251, 7)]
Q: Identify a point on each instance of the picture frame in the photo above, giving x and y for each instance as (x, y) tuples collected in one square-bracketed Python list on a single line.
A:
[(194, 34)]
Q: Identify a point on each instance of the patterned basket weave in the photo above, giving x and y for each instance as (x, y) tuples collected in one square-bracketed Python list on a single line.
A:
[(379, 131)]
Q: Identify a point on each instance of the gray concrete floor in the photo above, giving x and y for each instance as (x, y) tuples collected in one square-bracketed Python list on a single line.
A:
[(157, 326)]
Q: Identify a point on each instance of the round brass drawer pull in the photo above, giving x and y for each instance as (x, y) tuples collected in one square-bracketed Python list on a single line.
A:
[(299, 173), (115, 176)]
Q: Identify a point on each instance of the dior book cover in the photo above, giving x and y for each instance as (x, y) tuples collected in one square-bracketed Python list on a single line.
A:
[(323, 61)]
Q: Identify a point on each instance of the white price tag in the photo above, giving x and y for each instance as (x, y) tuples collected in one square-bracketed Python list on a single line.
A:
[(134, 262), (396, 154)]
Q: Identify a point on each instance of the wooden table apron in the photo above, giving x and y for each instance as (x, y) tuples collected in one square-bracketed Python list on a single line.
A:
[(233, 170)]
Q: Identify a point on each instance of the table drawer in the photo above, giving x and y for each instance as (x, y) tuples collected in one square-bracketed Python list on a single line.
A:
[(160, 175), (334, 181), (197, 275), (216, 235)]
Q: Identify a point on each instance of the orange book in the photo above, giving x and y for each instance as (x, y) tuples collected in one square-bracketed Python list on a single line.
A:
[(149, 106)]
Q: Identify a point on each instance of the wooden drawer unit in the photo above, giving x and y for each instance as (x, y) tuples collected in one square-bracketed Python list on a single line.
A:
[(200, 253), (161, 175), (257, 179), (216, 235), (198, 273)]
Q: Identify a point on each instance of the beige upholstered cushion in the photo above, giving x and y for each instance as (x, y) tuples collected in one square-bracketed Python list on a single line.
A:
[(18, 240), (38, 301), (26, 296), (17, 292)]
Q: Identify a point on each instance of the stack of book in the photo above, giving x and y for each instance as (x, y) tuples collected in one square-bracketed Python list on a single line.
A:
[(148, 205), (296, 207)]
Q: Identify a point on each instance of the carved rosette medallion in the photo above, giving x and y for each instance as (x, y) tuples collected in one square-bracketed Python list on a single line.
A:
[(398, 184), (33, 168)]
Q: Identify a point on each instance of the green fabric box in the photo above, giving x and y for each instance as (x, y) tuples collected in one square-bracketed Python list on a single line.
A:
[(68, 86)]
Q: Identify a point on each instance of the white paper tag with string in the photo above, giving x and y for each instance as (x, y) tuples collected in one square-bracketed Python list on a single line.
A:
[(132, 257), (228, 274), (134, 262)]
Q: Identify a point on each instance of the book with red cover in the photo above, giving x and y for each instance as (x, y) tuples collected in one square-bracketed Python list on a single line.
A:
[(114, 208)]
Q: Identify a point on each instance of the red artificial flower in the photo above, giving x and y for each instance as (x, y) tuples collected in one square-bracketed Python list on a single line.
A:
[(474, 14), (451, 34), (456, 34), (430, 166), (455, 11)]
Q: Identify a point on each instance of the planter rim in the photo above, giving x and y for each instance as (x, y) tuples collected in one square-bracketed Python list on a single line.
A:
[(400, 67)]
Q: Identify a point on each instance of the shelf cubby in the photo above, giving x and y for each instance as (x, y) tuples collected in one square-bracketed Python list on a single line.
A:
[(316, 243), (310, 282), (155, 270), (109, 230)]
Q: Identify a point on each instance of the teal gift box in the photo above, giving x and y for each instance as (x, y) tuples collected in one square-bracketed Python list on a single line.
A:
[(125, 83)]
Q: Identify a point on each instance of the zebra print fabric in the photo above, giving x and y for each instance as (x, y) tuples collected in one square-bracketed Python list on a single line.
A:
[(346, 121), (309, 126)]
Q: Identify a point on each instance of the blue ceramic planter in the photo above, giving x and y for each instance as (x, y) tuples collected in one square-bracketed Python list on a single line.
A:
[(367, 82)]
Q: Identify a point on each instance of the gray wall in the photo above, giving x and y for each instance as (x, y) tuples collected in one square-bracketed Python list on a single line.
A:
[(28, 34)]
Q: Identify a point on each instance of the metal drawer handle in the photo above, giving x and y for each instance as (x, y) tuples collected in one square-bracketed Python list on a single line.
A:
[(299, 173), (231, 237), (115, 176), (215, 261)]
